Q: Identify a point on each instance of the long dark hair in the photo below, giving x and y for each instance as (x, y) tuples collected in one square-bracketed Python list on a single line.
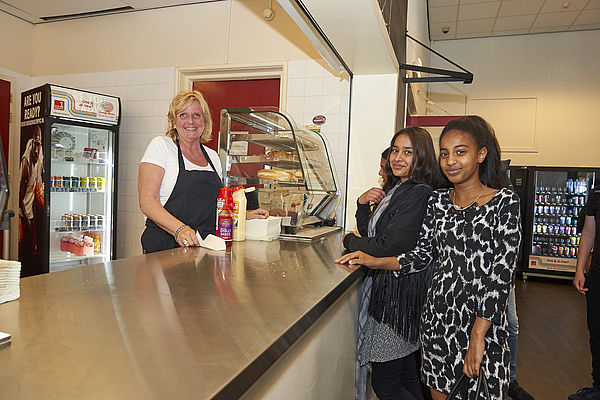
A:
[(424, 167), (490, 171)]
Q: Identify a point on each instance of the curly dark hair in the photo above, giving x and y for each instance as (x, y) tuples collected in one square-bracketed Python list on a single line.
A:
[(490, 170), (424, 168)]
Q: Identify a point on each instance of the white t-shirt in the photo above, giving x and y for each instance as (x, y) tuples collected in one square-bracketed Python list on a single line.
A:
[(162, 151)]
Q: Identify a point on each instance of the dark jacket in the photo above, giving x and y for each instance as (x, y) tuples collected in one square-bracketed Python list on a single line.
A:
[(397, 228)]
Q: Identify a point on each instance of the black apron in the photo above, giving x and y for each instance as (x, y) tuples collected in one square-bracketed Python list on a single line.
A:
[(193, 201)]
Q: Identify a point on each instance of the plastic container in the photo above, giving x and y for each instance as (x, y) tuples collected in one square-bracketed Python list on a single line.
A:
[(239, 214)]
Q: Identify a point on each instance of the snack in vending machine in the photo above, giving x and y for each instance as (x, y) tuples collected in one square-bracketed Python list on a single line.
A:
[(100, 181)]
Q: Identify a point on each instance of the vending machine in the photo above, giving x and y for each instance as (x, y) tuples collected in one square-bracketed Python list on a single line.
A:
[(555, 198), (67, 179)]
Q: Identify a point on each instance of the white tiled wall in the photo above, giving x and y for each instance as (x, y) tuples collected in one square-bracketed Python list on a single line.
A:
[(145, 96), (313, 90)]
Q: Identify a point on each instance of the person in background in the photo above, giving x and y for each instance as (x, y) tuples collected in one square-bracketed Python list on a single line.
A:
[(180, 178), (390, 310), (589, 285), (366, 204), (31, 202), (471, 232)]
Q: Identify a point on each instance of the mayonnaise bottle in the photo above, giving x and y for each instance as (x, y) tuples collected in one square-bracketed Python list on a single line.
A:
[(239, 214)]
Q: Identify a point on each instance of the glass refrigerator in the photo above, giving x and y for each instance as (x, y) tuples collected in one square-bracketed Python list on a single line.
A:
[(554, 199), (68, 170)]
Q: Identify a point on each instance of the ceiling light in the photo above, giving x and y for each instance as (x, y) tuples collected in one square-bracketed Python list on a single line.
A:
[(566, 4)]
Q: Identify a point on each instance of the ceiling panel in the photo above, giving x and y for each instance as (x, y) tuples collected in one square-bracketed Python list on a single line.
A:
[(35, 10), (480, 10), (443, 30), (588, 17), (439, 3), (517, 22), (584, 27), (555, 19), (441, 14), (552, 6), (593, 5), (45, 8), (520, 7), (483, 26), (510, 17)]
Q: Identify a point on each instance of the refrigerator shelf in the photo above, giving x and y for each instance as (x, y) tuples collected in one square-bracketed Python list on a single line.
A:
[(65, 229), (63, 256), (75, 190), (82, 161)]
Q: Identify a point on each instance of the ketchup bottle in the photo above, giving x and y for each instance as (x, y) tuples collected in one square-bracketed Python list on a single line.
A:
[(225, 215)]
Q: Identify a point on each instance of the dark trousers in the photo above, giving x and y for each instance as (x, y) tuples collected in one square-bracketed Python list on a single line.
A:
[(397, 379), (592, 282)]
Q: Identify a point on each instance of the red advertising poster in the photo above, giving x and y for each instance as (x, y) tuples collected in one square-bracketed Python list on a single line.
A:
[(32, 219)]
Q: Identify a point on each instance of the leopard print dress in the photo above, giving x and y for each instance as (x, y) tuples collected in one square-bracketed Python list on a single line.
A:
[(475, 251)]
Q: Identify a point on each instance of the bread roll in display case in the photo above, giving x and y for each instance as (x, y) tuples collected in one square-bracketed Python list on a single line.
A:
[(289, 166)]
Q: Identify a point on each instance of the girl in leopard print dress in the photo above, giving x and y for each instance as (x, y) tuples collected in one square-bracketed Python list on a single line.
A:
[(471, 231)]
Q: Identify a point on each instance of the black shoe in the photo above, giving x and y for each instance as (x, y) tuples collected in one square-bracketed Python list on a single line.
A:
[(592, 393), (516, 392)]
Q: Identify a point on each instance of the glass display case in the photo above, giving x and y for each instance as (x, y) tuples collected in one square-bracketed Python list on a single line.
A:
[(81, 177), (290, 166)]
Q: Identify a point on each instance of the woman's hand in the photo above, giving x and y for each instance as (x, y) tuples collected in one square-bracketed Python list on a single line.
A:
[(374, 195), (579, 282), (187, 237), (476, 348), (259, 213), (360, 258)]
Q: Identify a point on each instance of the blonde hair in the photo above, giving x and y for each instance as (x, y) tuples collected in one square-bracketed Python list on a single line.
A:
[(180, 102)]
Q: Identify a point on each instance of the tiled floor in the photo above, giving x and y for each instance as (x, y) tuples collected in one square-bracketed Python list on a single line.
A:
[(554, 358)]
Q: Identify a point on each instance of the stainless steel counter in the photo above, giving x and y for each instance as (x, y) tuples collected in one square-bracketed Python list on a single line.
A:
[(187, 323)]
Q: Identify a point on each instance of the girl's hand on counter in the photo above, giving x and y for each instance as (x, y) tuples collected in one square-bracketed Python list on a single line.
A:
[(360, 258), (187, 237), (348, 267), (259, 213)]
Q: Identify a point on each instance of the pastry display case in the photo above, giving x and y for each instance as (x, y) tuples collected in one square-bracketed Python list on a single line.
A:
[(289, 166)]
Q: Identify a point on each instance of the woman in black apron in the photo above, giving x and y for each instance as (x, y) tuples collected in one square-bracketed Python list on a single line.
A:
[(193, 201), (191, 205)]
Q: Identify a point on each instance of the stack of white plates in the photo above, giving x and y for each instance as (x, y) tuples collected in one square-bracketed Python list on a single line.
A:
[(9, 280)]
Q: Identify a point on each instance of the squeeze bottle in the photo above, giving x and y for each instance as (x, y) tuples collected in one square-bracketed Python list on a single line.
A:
[(225, 217), (239, 214)]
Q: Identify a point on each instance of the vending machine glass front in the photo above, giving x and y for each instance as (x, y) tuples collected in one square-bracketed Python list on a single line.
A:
[(560, 197)]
